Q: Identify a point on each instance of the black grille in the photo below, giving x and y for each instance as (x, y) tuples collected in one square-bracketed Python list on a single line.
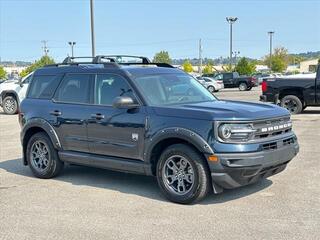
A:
[(270, 146), (288, 141)]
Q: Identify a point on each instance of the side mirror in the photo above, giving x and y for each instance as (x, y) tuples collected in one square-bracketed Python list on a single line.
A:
[(124, 102), (20, 82)]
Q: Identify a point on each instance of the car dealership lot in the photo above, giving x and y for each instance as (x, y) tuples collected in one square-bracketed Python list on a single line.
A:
[(88, 203)]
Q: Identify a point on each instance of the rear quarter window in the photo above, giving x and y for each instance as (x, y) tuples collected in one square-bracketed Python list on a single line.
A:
[(43, 86)]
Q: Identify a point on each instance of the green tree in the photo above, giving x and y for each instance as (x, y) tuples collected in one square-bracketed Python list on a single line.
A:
[(3, 73), (278, 64), (244, 67), (187, 67), (45, 60), (208, 68), (162, 57), (279, 60)]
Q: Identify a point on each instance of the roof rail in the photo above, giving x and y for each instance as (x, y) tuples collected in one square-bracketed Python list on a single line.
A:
[(115, 58)]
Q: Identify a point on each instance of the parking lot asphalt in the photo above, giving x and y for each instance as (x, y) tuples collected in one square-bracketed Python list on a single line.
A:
[(88, 203)]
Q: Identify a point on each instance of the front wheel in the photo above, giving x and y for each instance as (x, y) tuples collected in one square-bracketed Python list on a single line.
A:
[(10, 105), (292, 103), (243, 86), (182, 174)]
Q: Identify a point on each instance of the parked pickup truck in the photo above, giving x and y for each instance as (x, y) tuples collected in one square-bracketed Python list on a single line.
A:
[(292, 93), (233, 79)]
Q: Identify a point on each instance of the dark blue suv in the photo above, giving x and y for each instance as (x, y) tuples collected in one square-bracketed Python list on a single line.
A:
[(153, 119)]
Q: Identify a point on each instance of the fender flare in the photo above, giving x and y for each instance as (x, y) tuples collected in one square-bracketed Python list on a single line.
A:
[(6, 92), (47, 128), (176, 132)]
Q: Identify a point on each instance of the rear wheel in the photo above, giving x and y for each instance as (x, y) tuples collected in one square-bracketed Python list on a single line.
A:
[(10, 105), (42, 157), (182, 174), (243, 86), (211, 89), (292, 103)]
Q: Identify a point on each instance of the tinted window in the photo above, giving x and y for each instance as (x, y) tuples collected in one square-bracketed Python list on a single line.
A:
[(170, 89), (43, 87), (27, 80), (227, 75), (110, 86), (74, 88)]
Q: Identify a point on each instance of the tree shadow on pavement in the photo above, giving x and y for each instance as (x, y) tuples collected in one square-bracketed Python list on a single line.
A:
[(144, 186)]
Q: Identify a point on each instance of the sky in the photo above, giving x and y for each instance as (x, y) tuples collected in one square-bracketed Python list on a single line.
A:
[(144, 27)]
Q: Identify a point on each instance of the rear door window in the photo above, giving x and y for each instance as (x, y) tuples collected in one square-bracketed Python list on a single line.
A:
[(74, 88), (43, 86)]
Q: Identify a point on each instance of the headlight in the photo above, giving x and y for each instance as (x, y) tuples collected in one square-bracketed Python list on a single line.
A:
[(234, 132)]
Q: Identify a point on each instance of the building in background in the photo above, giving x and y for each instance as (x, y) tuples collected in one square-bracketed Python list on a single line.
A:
[(309, 66)]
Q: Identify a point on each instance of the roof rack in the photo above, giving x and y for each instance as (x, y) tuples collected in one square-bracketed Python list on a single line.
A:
[(70, 60), (113, 61), (115, 58)]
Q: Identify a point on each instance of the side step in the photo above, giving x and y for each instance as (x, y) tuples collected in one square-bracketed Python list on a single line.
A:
[(106, 162)]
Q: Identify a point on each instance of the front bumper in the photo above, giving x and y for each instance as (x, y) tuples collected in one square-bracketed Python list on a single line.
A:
[(239, 169)]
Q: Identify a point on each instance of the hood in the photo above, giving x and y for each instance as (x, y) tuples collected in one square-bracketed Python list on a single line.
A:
[(223, 110), (9, 85)]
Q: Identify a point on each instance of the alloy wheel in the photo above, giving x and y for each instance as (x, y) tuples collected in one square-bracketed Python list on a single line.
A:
[(10, 105), (291, 105), (178, 175), (40, 156)]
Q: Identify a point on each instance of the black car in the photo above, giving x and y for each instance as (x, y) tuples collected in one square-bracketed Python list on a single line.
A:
[(233, 79), (294, 94), (152, 119)]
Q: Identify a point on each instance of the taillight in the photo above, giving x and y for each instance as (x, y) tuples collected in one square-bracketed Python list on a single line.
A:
[(264, 86)]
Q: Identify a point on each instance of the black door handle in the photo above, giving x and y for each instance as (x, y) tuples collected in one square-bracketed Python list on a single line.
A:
[(97, 116), (55, 113)]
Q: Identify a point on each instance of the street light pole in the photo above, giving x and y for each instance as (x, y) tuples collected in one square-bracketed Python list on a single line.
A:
[(270, 58), (236, 54), (92, 29), (231, 21), (72, 45), (200, 58)]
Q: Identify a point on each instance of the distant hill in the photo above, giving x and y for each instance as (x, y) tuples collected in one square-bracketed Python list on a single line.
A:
[(307, 55), (16, 63), (217, 61)]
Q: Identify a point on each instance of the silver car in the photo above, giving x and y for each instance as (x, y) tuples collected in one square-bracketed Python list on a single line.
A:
[(211, 84)]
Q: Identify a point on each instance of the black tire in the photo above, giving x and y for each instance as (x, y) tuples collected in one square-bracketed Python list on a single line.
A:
[(249, 88), (243, 86), (211, 89), (10, 105), (292, 103), (54, 165), (201, 179)]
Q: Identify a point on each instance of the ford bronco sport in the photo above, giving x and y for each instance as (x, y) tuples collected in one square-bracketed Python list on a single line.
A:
[(153, 119)]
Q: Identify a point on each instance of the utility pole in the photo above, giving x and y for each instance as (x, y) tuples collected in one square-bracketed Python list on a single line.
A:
[(72, 45), (231, 21), (45, 48), (236, 54), (200, 57), (270, 58), (92, 29)]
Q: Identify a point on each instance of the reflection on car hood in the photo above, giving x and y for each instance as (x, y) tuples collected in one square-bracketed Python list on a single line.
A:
[(223, 110)]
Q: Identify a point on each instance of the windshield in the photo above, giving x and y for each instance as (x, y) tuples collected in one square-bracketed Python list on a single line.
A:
[(170, 89)]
